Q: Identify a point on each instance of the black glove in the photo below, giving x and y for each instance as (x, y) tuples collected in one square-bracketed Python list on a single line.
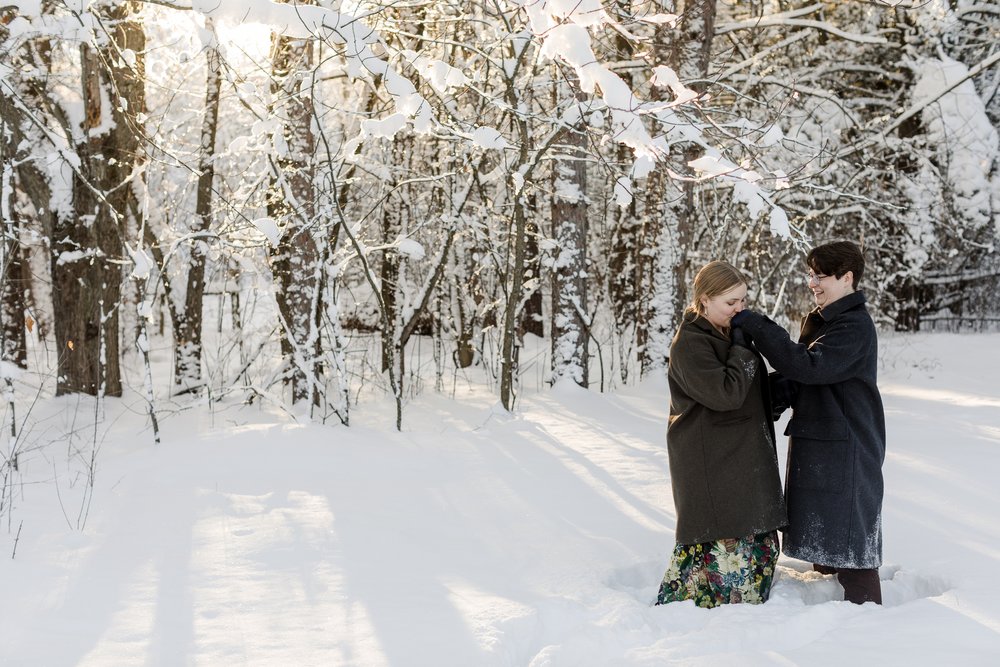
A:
[(783, 392), (740, 337), (739, 318)]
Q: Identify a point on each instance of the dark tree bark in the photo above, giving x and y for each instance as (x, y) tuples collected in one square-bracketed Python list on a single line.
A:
[(533, 313), (13, 348), (690, 57), (687, 50), (87, 249), (393, 210), (570, 330), (188, 320), (296, 264), (18, 135), (515, 279), (628, 253), (647, 234), (32, 183)]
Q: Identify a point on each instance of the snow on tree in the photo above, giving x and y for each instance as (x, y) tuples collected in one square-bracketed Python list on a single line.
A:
[(466, 172)]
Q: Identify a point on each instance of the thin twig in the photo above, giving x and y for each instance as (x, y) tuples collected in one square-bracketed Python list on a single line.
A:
[(17, 539)]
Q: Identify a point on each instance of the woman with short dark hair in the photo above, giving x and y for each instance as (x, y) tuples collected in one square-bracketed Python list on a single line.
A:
[(836, 434)]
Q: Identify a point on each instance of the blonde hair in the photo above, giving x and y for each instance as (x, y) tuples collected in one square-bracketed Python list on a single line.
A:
[(713, 279)]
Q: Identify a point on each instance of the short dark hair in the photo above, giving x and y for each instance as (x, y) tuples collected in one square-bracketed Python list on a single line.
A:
[(836, 259)]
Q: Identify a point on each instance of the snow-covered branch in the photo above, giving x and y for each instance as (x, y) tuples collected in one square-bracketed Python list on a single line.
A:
[(790, 19), (923, 104)]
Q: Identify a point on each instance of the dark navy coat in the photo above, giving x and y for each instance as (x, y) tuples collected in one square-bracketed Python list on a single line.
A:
[(833, 485)]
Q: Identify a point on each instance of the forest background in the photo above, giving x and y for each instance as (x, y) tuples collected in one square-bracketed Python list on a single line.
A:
[(305, 203)]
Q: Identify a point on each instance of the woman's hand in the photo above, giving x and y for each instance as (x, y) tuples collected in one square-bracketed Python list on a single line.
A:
[(738, 336), (783, 392)]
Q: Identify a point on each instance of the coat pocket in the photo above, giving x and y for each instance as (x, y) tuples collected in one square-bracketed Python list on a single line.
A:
[(733, 421), (819, 455)]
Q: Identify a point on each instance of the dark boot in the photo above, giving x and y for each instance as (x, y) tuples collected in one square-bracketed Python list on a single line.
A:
[(860, 586), (824, 569)]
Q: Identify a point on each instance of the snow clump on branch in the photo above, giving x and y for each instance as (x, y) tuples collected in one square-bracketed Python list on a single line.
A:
[(563, 25), (339, 27)]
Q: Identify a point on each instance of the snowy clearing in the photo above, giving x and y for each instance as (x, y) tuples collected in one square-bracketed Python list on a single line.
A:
[(473, 537)]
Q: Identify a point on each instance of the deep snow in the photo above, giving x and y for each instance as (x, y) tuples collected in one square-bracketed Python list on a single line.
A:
[(473, 537)]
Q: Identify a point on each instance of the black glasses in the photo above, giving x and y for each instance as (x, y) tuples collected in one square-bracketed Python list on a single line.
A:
[(815, 277)]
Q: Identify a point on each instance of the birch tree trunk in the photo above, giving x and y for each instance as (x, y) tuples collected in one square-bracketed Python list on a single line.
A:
[(87, 248)]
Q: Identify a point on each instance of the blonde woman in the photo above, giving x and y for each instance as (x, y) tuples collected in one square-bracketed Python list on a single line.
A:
[(723, 462)]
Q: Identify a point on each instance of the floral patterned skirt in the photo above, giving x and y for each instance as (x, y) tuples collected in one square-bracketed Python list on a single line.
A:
[(726, 571)]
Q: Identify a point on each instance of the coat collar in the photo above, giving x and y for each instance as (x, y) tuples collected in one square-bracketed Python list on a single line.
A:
[(841, 305), (700, 322)]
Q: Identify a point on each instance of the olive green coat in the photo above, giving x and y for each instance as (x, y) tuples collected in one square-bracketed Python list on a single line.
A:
[(720, 440)]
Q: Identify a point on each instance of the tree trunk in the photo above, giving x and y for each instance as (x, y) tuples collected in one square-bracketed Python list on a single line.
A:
[(295, 261), (13, 349), (626, 252), (531, 317), (570, 329), (188, 321), (87, 247), (664, 308), (515, 279), (393, 210), (687, 50), (690, 58), (643, 260)]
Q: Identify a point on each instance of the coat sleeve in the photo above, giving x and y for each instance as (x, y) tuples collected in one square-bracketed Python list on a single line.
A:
[(716, 385), (834, 357)]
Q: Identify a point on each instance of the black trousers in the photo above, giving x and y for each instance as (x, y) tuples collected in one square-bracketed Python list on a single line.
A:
[(860, 586)]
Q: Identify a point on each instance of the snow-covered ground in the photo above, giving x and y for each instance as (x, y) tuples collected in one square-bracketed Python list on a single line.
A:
[(473, 537)]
